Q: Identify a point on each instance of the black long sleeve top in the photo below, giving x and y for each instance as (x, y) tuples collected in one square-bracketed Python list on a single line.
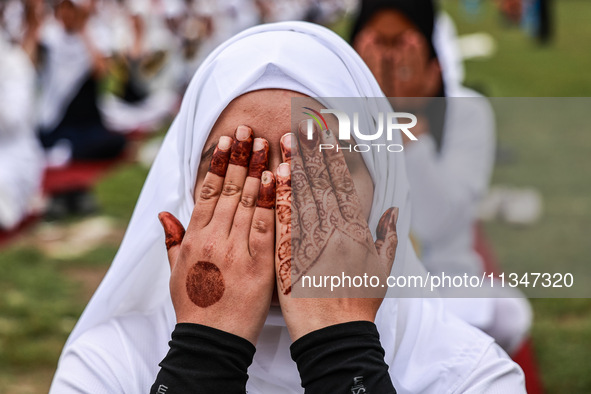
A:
[(344, 358)]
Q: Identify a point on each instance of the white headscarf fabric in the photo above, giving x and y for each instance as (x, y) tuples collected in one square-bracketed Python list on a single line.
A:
[(427, 351)]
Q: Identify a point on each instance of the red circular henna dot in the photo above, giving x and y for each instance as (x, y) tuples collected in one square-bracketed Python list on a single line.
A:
[(205, 284)]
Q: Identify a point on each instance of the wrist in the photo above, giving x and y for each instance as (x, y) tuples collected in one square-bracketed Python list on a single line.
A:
[(243, 326), (309, 325), (335, 332)]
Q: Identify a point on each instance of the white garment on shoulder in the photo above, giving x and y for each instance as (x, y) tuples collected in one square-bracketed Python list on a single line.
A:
[(112, 359)]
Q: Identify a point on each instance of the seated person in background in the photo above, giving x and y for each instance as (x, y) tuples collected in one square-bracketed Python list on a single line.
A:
[(450, 166), (72, 63), (145, 96), (251, 79), (21, 159)]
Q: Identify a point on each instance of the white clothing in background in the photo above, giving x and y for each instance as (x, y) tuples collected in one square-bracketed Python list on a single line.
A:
[(446, 186), (148, 114), (161, 86), (11, 20), (21, 162), (445, 41), (68, 64), (123, 333), (115, 17), (446, 189)]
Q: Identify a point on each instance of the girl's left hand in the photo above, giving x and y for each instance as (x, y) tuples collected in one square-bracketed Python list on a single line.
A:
[(321, 232)]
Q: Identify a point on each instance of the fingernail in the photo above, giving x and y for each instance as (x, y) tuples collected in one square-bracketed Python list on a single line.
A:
[(242, 133), (283, 170), (384, 223), (328, 136), (259, 144), (394, 218), (303, 129), (267, 177), (286, 140), (286, 147), (225, 142), (259, 159), (266, 191), (173, 229)]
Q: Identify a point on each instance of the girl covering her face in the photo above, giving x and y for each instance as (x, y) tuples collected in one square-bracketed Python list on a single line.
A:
[(124, 331)]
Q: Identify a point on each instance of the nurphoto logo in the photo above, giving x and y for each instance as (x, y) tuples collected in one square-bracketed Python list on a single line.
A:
[(387, 122)]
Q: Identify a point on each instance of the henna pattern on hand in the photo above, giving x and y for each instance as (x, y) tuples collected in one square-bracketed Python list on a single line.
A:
[(205, 284), (327, 204), (386, 234), (344, 188), (174, 231), (219, 161), (266, 197), (241, 150), (284, 257), (260, 159)]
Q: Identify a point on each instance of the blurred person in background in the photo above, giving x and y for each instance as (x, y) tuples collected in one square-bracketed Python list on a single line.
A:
[(192, 25), (450, 166), (193, 29), (146, 95), (317, 11), (21, 160), (12, 13), (282, 10), (71, 52), (218, 21), (327, 12)]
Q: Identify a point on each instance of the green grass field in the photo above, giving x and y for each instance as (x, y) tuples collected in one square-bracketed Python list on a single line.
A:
[(556, 164), (41, 296)]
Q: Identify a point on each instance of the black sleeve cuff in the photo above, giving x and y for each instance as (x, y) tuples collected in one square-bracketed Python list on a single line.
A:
[(205, 360), (344, 358)]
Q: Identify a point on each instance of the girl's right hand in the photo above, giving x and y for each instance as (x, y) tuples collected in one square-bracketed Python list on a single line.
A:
[(222, 272)]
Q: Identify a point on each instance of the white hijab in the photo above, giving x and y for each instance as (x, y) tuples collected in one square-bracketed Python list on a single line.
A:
[(426, 350)]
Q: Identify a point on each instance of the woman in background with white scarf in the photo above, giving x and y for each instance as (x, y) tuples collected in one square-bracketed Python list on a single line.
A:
[(123, 333), (450, 166)]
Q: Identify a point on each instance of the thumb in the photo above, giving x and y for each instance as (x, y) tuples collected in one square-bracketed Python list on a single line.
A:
[(174, 233), (387, 237)]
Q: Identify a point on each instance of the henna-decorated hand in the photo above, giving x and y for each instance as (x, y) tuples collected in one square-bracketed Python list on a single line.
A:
[(225, 259), (322, 231)]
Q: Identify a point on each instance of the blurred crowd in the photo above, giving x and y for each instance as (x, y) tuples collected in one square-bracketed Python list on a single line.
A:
[(77, 75)]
